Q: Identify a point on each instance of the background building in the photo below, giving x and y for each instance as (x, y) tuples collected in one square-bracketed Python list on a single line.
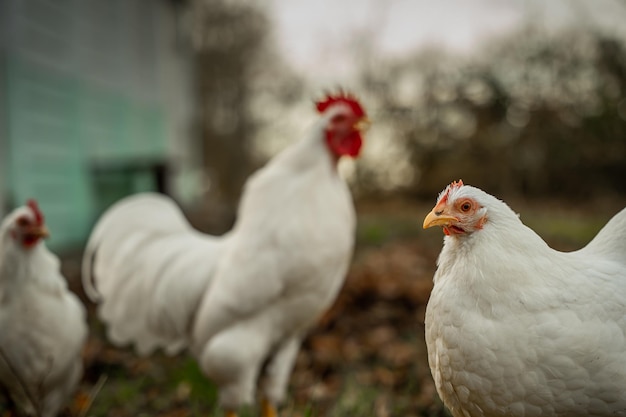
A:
[(95, 103)]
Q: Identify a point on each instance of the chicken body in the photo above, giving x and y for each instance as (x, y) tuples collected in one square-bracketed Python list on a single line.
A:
[(43, 325), (238, 300), (515, 328)]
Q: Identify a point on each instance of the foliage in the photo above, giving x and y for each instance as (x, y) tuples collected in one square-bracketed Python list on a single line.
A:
[(236, 66), (537, 115), (366, 356)]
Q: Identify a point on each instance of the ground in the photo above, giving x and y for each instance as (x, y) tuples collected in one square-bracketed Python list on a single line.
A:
[(366, 356)]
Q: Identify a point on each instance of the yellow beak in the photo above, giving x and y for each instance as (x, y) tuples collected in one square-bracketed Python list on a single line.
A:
[(40, 231), (363, 124), (433, 219)]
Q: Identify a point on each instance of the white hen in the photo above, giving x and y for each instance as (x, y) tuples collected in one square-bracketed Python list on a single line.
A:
[(42, 323), (515, 328), (246, 297)]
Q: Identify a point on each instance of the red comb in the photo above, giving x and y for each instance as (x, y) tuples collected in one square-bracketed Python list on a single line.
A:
[(32, 204), (341, 97), (443, 197)]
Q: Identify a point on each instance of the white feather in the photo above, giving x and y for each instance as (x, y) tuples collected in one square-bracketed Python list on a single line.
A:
[(43, 325), (236, 300), (515, 328), (150, 269)]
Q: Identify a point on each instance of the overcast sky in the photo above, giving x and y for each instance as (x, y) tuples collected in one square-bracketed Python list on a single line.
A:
[(313, 35)]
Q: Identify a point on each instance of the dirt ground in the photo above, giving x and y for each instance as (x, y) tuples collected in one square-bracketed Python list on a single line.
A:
[(366, 356)]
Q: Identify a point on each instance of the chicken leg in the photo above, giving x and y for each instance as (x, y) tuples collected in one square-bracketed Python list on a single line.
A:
[(268, 409)]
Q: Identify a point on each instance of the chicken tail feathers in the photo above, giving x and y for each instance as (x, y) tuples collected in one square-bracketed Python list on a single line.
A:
[(610, 242), (148, 269), (86, 273)]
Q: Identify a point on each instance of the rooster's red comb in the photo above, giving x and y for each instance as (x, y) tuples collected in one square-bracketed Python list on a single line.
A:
[(443, 196), (32, 204), (341, 97)]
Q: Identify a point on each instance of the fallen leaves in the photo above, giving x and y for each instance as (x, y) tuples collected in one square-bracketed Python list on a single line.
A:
[(366, 356), (372, 337)]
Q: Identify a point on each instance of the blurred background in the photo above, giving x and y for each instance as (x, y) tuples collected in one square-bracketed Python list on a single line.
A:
[(99, 99), (104, 98)]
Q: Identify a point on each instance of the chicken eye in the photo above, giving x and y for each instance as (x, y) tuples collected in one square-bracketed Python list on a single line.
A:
[(22, 222), (466, 206), (340, 118)]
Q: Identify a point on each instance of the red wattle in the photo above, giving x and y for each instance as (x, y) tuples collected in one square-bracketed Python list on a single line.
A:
[(348, 146)]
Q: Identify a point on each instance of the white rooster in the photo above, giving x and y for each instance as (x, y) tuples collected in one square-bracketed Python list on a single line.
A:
[(42, 324), (249, 296), (515, 328)]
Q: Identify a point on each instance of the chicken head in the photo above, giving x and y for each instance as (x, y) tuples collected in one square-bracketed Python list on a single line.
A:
[(346, 123), (28, 227), (456, 211)]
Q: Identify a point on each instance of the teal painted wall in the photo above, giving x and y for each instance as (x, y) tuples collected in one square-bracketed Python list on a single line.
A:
[(80, 90), (45, 151), (58, 128)]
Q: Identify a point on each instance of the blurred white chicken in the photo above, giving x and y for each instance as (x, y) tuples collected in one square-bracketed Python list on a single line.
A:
[(43, 327), (515, 328), (249, 296)]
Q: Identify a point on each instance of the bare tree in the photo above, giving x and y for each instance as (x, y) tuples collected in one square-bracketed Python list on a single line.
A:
[(229, 38), (537, 115)]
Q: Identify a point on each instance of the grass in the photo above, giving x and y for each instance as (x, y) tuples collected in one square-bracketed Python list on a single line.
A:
[(187, 377), (379, 224), (563, 224), (375, 230), (356, 400), (565, 230), (175, 387), (161, 383)]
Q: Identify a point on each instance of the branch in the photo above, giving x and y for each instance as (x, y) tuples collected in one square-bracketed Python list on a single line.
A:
[(93, 394)]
